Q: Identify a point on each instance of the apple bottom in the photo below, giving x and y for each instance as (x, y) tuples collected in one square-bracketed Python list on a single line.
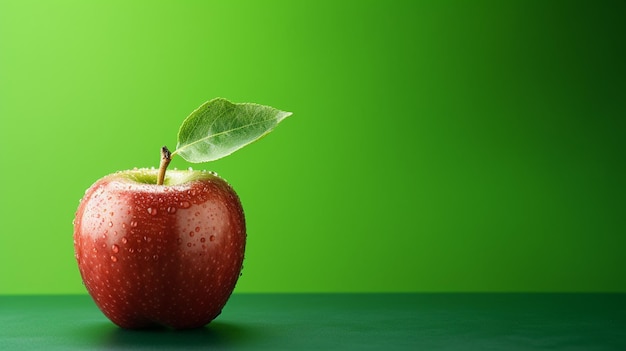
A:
[(162, 289)]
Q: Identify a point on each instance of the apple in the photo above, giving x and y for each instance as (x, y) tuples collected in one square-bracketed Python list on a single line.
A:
[(158, 248), (165, 254)]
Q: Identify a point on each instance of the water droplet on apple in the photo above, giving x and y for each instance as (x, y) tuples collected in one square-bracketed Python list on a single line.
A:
[(124, 240), (152, 211), (185, 204), (202, 239), (95, 250), (110, 224), (179, 241), (191, 233), (155, 257), (133, 224), (212, 238), (190, 169), (115, 248), (113, 258), (188, 244), (171, 210), (197, 229)]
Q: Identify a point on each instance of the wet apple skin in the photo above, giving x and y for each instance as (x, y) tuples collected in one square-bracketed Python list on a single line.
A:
[(160, 255)]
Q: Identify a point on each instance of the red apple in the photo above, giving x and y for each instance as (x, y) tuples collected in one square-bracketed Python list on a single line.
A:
[(160, 255)]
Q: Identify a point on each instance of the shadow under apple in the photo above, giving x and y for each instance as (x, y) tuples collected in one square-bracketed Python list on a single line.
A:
[(216, 335)]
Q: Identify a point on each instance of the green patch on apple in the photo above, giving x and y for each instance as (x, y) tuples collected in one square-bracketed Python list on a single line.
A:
[(158, 248)]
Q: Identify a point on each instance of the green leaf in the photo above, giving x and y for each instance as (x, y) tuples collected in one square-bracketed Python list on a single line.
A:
[(219, 127)]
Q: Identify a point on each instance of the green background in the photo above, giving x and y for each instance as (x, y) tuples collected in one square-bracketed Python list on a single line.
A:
[(434, 146)]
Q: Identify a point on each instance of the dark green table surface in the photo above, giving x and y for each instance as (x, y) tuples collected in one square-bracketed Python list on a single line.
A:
[(336, 322)]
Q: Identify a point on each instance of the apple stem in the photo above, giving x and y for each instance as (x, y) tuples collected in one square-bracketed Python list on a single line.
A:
[(166, 157)]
